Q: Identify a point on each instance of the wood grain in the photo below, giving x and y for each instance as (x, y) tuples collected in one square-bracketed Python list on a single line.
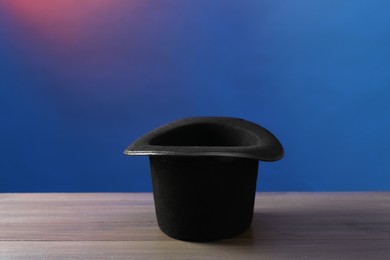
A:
[(123, 226)]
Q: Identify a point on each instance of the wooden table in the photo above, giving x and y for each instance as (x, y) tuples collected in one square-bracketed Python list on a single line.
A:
[(123, 226)]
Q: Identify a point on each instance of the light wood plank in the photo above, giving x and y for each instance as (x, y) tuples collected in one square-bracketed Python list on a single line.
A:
[(228, 249), (123, 226)]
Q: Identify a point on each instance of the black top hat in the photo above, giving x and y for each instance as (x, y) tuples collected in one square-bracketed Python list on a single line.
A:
[(204, 172)]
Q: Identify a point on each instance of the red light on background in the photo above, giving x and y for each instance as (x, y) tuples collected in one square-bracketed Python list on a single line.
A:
[(63, 20)]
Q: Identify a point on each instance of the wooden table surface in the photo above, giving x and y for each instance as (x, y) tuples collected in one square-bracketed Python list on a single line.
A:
[(123, 226)]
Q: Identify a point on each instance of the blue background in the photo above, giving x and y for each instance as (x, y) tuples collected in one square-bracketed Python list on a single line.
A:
[(80, 80)]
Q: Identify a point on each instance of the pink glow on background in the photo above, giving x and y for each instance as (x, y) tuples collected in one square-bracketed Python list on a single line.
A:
[(63, 20), (75, 43)]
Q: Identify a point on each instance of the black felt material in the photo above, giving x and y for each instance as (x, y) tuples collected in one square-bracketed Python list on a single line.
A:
[(209, 136), (203, 198), (204, 172)]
